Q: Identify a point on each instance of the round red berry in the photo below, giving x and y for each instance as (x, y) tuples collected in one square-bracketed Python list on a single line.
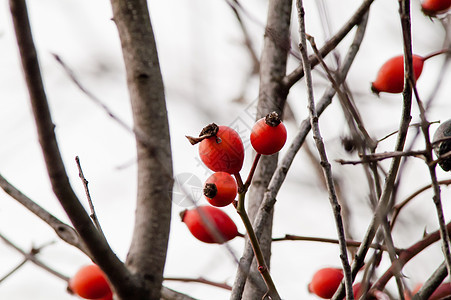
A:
[(325, 282), (209, 224), (222, 150), (268, 135), (220, 189), (90, 283), (390, 78), (434, 7)]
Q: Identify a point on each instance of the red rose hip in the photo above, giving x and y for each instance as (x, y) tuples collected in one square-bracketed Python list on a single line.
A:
[(390, 78), (220, 148), (268, 135), (325, 282), (90, 283), (198, 220), (220, 189), (432, 8)]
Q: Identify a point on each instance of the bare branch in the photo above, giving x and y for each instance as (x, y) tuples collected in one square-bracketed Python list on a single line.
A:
[(382, 206), (31, 256), (96, 244), (200, 280), (88, 195), (397, 208), (381, 156), (322, 152), (298, 73), (349, 243), (271, 98), (147, 254)]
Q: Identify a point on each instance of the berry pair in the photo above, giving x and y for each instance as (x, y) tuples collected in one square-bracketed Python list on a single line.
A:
[(221, 148)]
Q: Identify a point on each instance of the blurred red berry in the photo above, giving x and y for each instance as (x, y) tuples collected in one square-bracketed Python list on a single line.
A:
[(268, 134), (390, 78), (220, 189), (197, 219), (434, 7), (90, 283), (325, 282)]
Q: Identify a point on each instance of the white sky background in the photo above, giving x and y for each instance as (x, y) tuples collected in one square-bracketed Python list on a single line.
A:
[(204, 66)]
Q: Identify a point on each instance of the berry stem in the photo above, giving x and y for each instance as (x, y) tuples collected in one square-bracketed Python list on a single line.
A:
[(252, 171), (262, 266), (436, 53), (239, 182)]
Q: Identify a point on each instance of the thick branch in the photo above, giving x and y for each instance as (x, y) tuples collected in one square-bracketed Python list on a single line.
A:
[(147, 253), (95, 243), (271, 98)]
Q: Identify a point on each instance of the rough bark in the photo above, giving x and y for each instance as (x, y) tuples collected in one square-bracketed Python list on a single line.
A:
[(271, 98), (147, 253)]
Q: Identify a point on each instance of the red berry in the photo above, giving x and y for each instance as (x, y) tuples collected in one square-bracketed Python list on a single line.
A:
[(196, 219), (90, 283), (435, 7), (268, 134), (325, 282), (220, 189), (222, 150), (390, 78)]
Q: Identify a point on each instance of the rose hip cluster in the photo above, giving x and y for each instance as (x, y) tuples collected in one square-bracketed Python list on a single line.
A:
[(221, 150)]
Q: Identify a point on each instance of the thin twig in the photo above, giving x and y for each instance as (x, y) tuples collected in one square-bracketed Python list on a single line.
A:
[(383, 204), (331, 44), (262, 266), (63, 230), (342, 96), (381, 156), (200, 280), (236, 7), (252, 171), (85, 182), (349, 243), (406, 255), (436, 187), (14, 270), (31, 256), (322, 153), (397, 208)]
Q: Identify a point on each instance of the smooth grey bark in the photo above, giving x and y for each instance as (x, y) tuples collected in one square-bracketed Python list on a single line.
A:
[(96, 245), (147, 254), (272, 97)]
